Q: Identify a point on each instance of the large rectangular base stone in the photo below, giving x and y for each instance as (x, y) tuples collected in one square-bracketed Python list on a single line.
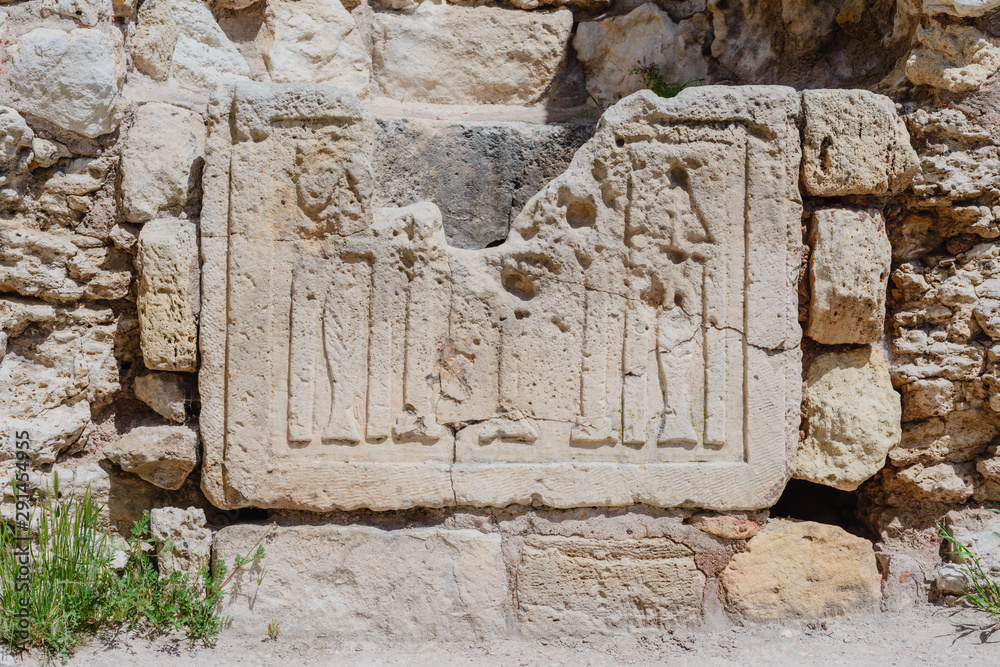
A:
[(579, 586), (334, 583)]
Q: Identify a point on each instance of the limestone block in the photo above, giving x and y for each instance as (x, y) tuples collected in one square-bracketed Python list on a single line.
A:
[(573, 364), (16, 140), (169, 295), (854, 144), (479, 174), (166, 393), (726, 526), (802, 570), (154, 39), (85, 12), (161, 160), (336, 583), (903, 584), (610, 48), (960, 7), (52, 266), (203, 55), (191, 540), (452, 55), (853, 418), (848, 275), (46, 153), (951, 579), (72, 79), (51, 431), (976, 528), (42, 371), (942, 483), (315, 41), (161, 455), (959, 436), (954, 57), (573, 586), (933, 397)]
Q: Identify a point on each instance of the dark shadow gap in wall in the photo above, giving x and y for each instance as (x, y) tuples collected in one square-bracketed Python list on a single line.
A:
[(808, 501)]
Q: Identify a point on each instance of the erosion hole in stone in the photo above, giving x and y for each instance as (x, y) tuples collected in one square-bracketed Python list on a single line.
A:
[(581, 214), (518, 285), (808, 501)]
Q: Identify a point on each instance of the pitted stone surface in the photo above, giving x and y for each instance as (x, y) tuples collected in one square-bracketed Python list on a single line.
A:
[(852, 417), (72, 79), (848, 274), (161, 160), (359, 343), (333, 583), (169, 298), (854, 144)]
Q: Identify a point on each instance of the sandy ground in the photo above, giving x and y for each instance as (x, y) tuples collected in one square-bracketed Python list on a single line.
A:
[(924, 635)]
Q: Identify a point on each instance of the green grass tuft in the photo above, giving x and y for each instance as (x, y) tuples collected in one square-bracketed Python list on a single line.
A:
[(649, 74), (985, 593), (76, 591)]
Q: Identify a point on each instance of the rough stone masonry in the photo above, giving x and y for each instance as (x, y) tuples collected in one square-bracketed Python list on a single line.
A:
[(502, 342)]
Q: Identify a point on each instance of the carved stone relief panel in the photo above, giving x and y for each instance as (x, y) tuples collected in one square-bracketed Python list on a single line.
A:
[(633, 340)]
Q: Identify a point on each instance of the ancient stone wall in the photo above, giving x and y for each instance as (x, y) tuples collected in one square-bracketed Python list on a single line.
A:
[(501, 341)]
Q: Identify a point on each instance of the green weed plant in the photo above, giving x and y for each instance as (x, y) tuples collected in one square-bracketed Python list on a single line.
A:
[(76, 592)]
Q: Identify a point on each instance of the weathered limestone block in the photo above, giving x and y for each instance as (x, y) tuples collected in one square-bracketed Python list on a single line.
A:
[(203, 55), (191, 540), (848, 275), (85, 12), (42, 371), (315, 41), (479, 174), (960, 7), (726, 526), (610, 48), (154, 39), (58, 266), (350, 582), (954, 57), (942, 483), (574, 364), (976, 528), (161, 455), (570, 586), (72, 79), (933, 397), (453, 55), (166, 393), (161, 160), (854, 144), (169, 295), (16, 141), (50, 431), (802, 570), (920, 355), (958, 436), (853, 418)]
